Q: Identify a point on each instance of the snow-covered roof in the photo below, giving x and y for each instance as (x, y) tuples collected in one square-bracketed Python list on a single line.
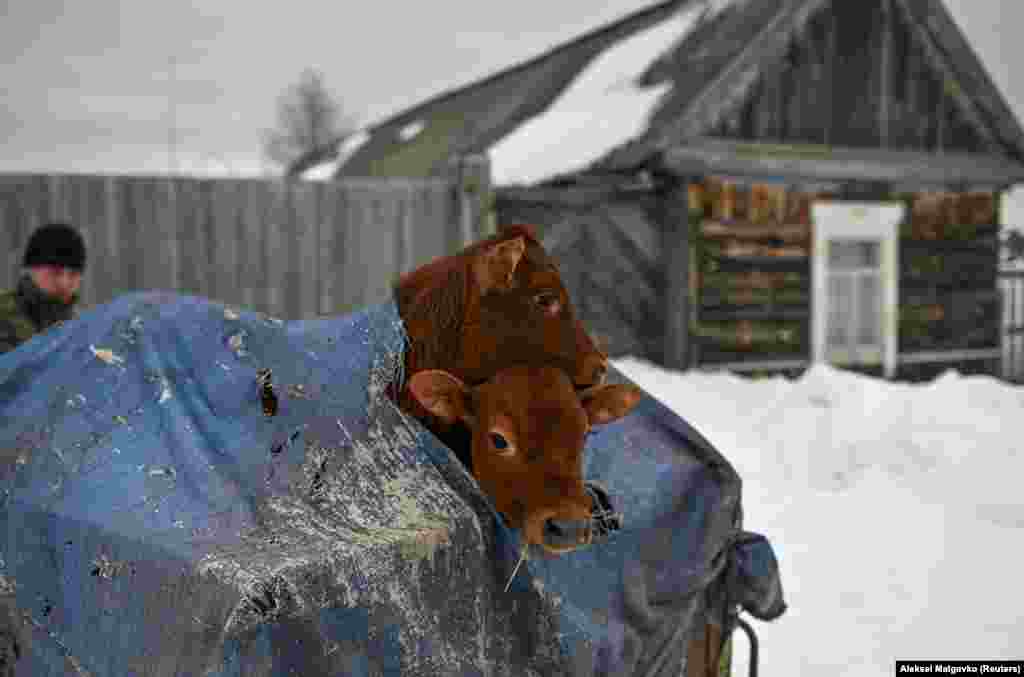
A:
[(614, 98), (325, 171), (492, 107), (603, 108)]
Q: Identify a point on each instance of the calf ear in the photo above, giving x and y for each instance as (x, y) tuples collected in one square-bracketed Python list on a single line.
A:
[(441, 394), (604, 404), (493, 267)]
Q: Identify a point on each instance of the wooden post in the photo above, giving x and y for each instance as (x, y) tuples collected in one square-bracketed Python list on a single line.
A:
[(830, 72), (885, 81), (941, 112), (914, 82), (676, 258), (781, 98), (471, 177), (477, 183)]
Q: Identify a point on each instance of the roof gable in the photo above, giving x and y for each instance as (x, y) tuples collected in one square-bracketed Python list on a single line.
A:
[(718, 69)]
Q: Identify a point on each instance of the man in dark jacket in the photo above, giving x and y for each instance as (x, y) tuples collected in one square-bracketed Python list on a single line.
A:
[(48, 289), (46, 294)]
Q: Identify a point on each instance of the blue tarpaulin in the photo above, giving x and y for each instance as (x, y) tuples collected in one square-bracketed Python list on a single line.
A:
[(155, 521)]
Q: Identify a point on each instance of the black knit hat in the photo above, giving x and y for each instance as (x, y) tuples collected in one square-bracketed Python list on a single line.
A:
[(55, 244)]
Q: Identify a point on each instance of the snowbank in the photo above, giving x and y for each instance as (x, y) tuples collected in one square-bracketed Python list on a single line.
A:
[(895, 510)]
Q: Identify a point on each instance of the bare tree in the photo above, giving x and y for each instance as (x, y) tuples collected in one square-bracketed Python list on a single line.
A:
[(308, 119)]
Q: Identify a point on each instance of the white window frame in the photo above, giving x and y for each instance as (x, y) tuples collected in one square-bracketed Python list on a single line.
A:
[(876, 222)]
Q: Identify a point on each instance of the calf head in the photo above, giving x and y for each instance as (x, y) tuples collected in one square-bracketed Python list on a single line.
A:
[(528, 426), (498, 302)]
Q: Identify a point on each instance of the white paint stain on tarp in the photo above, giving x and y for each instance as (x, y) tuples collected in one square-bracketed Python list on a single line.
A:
[(412, 512), (372, 502), (165, 390), (236, 342), (426, 532)]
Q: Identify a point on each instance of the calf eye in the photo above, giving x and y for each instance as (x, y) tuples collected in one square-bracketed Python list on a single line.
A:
[(549, 302), (499, 441)]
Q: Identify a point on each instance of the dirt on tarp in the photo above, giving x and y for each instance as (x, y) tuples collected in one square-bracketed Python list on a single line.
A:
[(190, 489)]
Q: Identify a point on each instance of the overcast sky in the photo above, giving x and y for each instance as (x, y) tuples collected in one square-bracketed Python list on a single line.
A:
[(98, 85)]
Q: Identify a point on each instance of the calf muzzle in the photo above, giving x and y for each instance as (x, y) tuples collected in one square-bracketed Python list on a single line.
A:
[(562, 535)]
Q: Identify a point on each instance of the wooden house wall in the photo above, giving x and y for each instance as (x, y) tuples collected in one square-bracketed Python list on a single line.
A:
[(752, 279), (867, 85), (949, 294), (752, 286)]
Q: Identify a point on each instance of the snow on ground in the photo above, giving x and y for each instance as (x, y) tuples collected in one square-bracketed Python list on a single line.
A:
[(895, 510)]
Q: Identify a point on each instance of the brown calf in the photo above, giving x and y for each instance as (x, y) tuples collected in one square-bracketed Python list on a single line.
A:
[(497, 303), (528, 426)]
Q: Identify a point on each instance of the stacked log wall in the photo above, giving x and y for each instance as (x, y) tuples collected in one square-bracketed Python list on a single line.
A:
[(752, 280)]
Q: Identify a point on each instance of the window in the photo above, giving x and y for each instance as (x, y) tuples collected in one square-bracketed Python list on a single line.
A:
[(855, 283), (855, 298)]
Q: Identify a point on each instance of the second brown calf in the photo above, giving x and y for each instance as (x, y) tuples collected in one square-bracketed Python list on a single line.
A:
[(527, 427)]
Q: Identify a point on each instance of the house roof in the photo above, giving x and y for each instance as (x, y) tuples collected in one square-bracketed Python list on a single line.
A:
[(705, 75), (470, 119), (714, 70)]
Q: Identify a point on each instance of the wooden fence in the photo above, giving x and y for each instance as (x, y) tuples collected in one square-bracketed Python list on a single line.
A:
[(293, 250)]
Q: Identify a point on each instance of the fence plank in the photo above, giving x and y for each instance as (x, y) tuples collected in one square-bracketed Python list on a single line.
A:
[(252, 250), (193, 257), (131, 241), (431, 214), (19, 205), (226, 204), (9, 238), (274, 251), (303, 262), (385, 225), (167, 232), (332, 249), (352, 259), (58, 206), (86, 202)]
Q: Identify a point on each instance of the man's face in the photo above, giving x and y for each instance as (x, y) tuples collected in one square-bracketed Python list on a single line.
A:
[(57, 281)]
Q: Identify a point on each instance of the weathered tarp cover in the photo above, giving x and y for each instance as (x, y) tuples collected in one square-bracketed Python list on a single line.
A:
[(155, 522)]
